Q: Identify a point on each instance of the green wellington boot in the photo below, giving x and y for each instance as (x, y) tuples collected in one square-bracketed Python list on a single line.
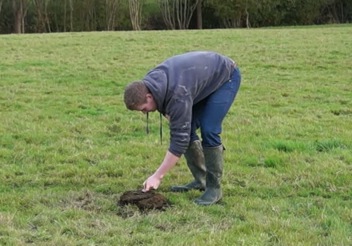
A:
[(195, 162), (214, 163)]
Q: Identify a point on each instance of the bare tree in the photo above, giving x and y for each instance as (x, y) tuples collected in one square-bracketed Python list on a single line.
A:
[(167, 9), (70, 6), (177, 12), (47, 20), (184, 12), (338, 11), (111, 8), (89, 11), (65, 15), (43, 23), (19, 11), (135, 7), (248, 23), (71, 15), (199, 15), (0, 5)]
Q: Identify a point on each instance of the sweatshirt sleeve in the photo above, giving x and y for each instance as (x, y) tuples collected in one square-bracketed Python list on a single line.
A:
[(180, 112)]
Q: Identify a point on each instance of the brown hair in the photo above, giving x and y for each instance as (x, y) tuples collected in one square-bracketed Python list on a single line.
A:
[(135, 94)]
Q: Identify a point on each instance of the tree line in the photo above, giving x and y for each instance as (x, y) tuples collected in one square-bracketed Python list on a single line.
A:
[(45, 16)]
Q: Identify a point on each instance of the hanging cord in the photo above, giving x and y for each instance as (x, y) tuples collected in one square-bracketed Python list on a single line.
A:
[(160, 126), (161, 129), (147, 128)]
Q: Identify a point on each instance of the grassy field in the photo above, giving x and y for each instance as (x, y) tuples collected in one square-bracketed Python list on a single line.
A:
[(69, 148)]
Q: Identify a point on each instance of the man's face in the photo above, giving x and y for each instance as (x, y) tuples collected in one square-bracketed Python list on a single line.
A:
[(149, 106)]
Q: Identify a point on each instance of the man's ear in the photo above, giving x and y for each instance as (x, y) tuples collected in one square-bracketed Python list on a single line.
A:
[(149, 96)]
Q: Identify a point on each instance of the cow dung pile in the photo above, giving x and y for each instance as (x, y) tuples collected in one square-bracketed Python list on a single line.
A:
[(144, 200)]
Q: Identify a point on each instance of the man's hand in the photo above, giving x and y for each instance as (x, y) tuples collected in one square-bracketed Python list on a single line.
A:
[(152, 183)]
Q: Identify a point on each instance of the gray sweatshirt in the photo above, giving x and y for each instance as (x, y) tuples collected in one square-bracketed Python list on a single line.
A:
[(182, 81)]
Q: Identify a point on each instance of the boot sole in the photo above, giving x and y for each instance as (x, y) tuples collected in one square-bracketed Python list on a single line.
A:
[(206, 203), (180, 190), (203, 203)]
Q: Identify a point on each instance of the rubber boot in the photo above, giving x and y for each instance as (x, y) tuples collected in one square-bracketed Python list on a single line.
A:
[(214, 163), (195, 162)]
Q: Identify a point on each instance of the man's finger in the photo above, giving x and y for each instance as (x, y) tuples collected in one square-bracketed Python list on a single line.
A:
[(146, 188)]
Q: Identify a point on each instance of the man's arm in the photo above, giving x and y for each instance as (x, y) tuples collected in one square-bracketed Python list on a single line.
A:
[(154, 181)]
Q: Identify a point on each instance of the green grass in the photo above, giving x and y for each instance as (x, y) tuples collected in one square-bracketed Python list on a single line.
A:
[(69, 148)]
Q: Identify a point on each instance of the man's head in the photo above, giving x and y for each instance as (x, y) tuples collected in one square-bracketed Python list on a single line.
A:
[(138, 97)]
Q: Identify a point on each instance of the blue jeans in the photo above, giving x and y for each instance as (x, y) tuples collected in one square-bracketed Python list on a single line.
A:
[(209, 113)]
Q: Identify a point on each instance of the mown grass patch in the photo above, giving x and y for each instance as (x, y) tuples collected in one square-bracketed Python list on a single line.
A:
[(69, 148)]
